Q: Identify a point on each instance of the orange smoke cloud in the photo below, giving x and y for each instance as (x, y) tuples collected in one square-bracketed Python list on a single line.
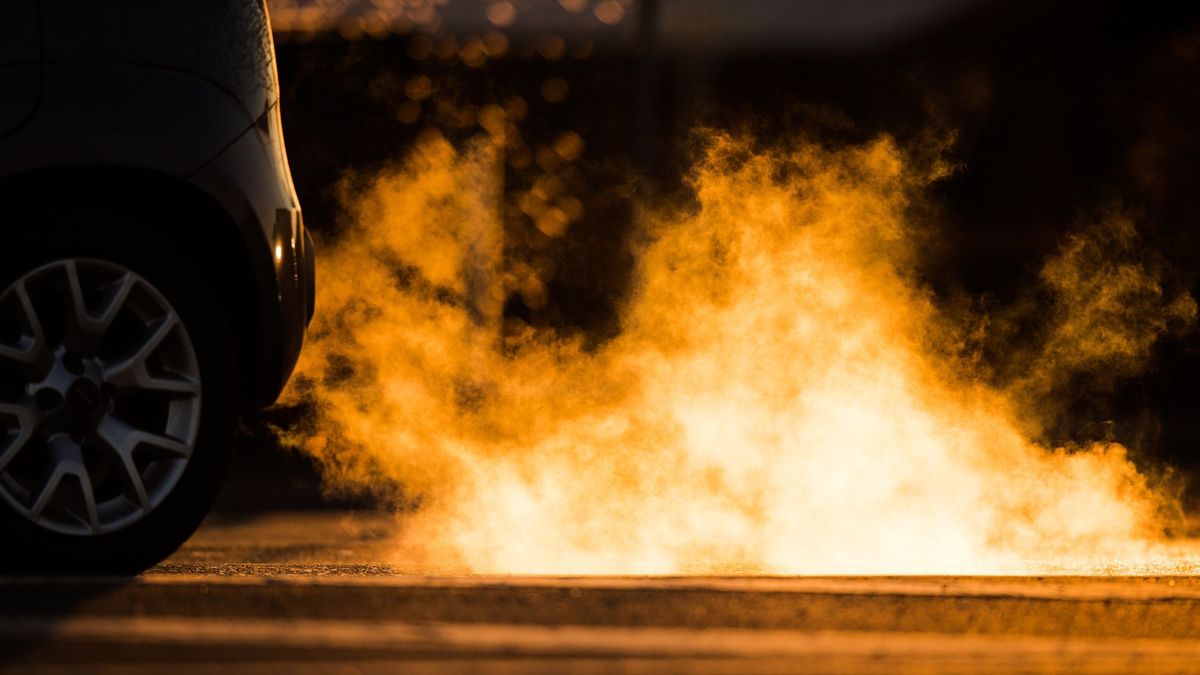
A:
[(779, 399)]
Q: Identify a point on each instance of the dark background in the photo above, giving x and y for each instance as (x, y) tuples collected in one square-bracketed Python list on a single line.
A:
[(1061, 112)]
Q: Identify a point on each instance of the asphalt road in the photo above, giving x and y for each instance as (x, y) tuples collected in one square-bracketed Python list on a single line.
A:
[(299, 593)]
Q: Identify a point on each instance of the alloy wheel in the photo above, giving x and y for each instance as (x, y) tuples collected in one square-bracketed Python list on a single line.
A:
[(99, 397)]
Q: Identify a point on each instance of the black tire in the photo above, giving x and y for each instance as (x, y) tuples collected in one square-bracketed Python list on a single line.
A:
[(27, 547)]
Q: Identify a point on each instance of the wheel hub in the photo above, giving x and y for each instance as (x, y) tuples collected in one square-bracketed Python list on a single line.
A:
[(74, 397)]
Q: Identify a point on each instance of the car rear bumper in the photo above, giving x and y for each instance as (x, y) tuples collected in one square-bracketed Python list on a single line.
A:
[(295, 280), (251, 181)]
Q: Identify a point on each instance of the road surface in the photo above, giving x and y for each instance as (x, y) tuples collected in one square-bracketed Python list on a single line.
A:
[(301, 593)]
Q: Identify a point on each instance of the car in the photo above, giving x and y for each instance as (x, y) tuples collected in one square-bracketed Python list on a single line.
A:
[(156, 277)]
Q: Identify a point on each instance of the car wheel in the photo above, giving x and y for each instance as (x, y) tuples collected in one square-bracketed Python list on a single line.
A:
[(117, 412)]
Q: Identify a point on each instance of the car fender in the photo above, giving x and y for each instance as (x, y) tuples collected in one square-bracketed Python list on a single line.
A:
[(136, 116)]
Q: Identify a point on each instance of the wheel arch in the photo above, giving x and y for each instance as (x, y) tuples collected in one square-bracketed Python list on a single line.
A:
[(149, 206)]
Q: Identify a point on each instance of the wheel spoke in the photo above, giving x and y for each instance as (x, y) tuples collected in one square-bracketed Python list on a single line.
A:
[(26, 417), (79, 314), (48, 490), (23, 355), (94, 326), (115, 299), (172, 384), (30, 350), (134, 483), (131, 372), (89, 500), (124, 439), (68, 461)]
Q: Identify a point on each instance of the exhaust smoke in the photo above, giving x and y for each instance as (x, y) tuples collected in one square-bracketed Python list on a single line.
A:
[(784, 395)]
